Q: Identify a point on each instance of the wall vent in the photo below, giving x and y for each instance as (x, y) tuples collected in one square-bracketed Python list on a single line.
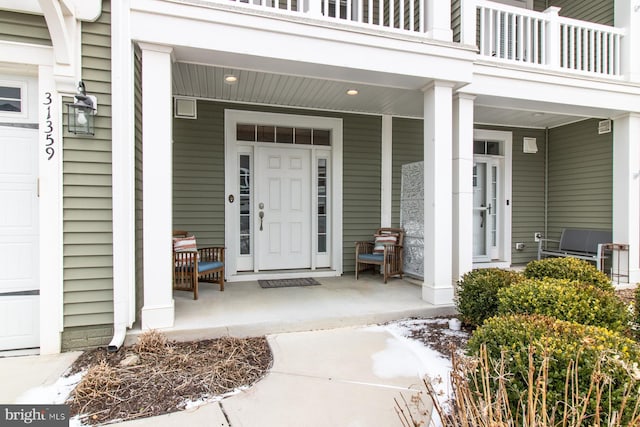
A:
[(185, 108), (604, 126)]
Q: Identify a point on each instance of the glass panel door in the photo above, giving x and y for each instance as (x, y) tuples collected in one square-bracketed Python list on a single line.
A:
[(480, 212), (486, 212)]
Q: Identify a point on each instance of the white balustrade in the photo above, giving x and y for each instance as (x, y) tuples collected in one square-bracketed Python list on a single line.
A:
[(506, 33), (515, 34), (402, 15)]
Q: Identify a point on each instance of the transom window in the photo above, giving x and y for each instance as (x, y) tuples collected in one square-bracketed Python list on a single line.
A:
[(11, 99), (282, 134), (490, 148)]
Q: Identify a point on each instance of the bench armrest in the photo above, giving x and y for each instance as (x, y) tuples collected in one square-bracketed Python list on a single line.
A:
[(541, 242)]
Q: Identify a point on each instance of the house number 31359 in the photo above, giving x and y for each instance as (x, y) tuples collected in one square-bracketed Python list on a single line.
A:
[(48, 130)]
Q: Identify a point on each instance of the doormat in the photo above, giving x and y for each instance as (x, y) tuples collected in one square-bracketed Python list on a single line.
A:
[(286, 283)]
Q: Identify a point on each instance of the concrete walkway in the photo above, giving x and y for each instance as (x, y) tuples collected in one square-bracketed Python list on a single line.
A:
[(337, 377)]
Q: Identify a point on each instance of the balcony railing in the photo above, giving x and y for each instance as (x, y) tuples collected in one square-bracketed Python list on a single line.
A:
[(502, 33), (518, 35), (401, 15)]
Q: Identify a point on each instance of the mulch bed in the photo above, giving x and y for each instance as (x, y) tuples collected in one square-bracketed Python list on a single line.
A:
[(626, 295), (156, 376)]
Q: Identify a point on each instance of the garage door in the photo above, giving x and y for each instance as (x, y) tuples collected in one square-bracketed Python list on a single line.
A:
[(19, 265)]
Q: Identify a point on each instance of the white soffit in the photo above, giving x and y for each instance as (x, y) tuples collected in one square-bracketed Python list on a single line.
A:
[(207, 82), (199, 81)]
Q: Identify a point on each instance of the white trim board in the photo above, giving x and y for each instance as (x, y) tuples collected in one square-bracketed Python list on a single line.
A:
[(233, 117), (505, 230)]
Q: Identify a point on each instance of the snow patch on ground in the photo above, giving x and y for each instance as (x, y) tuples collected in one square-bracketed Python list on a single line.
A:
[(56, 393), (407, 357)]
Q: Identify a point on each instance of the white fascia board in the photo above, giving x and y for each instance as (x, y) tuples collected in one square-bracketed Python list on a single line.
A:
[(539, 92), (298, 39), (25, 6), (83, 10), (21, 53)]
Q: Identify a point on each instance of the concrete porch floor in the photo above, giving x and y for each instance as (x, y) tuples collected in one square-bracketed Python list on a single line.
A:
[(245, 309)]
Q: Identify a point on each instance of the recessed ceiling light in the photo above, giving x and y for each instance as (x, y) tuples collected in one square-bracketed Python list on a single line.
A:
[(230, 78), (352, 92)]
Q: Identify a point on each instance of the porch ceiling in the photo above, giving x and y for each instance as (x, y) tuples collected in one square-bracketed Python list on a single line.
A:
[(297, 91)]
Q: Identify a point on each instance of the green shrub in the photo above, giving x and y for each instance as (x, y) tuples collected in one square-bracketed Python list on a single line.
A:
[(568, 268), (565, 300), (585, 352), (477, 293)]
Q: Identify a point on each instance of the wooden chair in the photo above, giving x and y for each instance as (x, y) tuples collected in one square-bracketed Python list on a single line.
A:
[(192, 265), (384, 252)]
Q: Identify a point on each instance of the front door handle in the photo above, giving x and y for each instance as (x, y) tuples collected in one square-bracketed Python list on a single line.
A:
[(261, 216)]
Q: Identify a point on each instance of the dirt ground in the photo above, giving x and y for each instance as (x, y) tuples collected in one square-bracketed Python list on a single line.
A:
[(156, 376)]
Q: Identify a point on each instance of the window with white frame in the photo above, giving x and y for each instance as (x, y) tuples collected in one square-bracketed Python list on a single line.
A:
[(11, 99)]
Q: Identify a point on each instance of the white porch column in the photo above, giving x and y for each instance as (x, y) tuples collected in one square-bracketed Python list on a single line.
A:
[(157, 311), (438, 20), (437, 287), (627, 16), (386, 184), (626, 188), (462, 184)]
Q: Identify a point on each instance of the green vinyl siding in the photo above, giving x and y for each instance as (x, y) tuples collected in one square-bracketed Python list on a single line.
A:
[(87, 207), (408, 147), (597, 11), (362, 155), (24, 28), (527, 192), (198, 173), (139, 246), (580, 178), (455, 19)]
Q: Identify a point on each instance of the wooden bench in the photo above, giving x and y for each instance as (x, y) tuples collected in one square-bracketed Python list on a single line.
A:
[(578, 243)]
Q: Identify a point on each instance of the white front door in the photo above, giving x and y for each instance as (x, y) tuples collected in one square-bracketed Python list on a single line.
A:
[(19, 237), (486, 208), (283, 210), (283, 203)]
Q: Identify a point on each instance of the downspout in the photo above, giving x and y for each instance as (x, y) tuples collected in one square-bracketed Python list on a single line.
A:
[(123, 177), (546, 182)]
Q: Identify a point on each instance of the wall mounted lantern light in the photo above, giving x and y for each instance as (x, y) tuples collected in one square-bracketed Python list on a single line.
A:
[(81, 113)]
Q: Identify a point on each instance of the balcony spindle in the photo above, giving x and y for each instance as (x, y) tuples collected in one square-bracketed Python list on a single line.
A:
[(528, 40), (616, 55), (578, 48), (534, 40), (565, 46), (512, 54), (392, 17), (605, 54), (520, 27), (412, 17)]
